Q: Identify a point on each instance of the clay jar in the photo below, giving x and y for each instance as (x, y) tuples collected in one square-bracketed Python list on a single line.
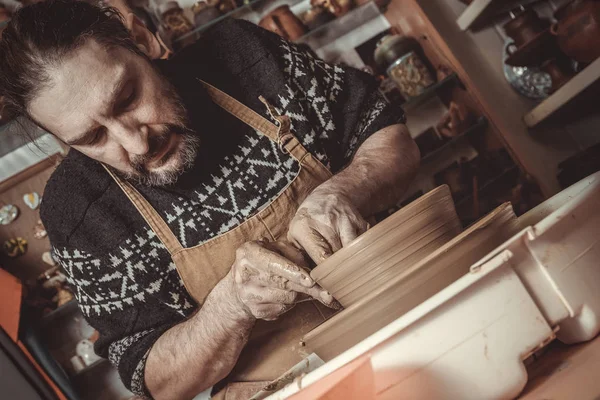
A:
[(560, 72), (336, 7), (316, 17), (283, 22), (525, 27), (401, 58), (578, 30), (204, 13)]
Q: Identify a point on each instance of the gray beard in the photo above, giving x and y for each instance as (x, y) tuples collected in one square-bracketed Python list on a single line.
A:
[(186, 155)]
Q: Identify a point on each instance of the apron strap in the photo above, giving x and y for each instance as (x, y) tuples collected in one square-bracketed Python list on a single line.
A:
[(152, 217), (276, 133)]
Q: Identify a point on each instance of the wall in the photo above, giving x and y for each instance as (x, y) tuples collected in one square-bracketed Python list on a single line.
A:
[(30, 265)]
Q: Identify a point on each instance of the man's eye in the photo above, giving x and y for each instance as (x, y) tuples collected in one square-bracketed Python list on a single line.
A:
[(96, 138), (126, 103)]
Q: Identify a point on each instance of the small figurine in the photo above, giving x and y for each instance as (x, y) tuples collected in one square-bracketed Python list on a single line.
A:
[(15, 247), (8, 214), (336, 7), (39, 232), (48, 259), (457, 120), (32, 200), (63, 296)]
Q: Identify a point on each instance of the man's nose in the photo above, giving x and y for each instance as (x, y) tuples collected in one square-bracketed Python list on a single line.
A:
[(133, 138)]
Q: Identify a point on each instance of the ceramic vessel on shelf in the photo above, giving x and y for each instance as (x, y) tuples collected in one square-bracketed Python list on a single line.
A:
[(534, 52), (399, 57), (283, 22), (204, 13), (85, 350), (532, 41), (336, 7), (525, 26), (316, 17), (456, 121), (174, 25), (578, 30), (560, 71), (411, 75)]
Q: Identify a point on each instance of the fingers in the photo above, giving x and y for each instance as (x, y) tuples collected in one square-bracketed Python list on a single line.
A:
[(289, 251), (316, 292), (259, 261), (270, 312), (267, 295), (317, 240), (350, 230)]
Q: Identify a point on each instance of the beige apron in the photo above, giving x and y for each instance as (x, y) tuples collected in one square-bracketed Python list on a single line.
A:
[(273, 347)]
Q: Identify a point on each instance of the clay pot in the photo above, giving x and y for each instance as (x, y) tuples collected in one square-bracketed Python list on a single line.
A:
[(203, 13), (392, 47), (336, 7), (560, 72), (283, 22), (533, 53), (456, 121), (525, 27), (401, 58), (578, 30), (316, 17), (174, 21)]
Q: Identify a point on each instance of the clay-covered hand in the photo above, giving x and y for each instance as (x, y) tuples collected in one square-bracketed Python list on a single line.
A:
[(269, 278), (325, 222)]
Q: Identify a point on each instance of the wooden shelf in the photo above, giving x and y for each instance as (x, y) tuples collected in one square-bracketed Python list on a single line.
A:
[(90, 368), (480, 8), (340, 26), (429, 92), (565, 94), (478, 126), (65, 309)]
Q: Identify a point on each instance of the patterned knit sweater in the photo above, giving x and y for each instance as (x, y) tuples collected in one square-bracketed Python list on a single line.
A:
[(124, 279)]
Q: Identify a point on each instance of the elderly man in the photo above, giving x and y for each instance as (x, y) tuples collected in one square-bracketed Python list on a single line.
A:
[(194, 185)]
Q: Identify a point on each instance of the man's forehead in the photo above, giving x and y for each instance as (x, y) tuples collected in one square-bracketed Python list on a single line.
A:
[(79, 87)]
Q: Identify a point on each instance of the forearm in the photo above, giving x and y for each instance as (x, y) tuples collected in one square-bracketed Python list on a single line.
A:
[(380, 171), (196, 354)]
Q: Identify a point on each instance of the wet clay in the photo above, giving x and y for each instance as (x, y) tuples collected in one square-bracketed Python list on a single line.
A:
[(413, 285), (389, 248)]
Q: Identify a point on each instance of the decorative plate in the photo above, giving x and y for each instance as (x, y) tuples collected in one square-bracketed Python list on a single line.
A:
[(529, 82)]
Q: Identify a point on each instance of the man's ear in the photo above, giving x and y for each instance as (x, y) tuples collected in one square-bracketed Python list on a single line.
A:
[(144, 39)]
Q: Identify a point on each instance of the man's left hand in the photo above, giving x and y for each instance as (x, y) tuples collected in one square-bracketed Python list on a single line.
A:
[(325, 222), (332, 215)]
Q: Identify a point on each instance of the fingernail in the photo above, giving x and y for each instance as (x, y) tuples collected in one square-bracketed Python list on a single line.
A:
[(307, 281), (326, 297)]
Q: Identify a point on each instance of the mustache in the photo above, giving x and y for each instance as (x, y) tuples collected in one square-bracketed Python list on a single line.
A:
[(156, 142)]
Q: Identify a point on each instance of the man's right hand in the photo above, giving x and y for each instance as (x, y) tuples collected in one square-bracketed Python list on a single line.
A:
[(269, 278)]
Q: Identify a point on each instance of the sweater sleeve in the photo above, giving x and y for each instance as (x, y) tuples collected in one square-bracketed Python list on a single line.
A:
[(122, 295)]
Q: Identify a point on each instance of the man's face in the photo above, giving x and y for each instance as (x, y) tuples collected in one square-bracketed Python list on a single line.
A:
[(113, 106)]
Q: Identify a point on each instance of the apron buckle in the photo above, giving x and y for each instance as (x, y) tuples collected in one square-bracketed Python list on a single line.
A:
[(283, 123), (283, 140)]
